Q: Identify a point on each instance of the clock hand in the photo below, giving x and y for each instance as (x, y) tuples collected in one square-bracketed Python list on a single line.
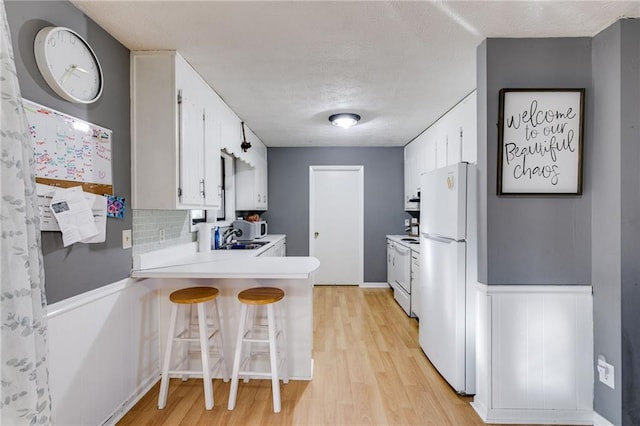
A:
[(71, 70), (68, 72)]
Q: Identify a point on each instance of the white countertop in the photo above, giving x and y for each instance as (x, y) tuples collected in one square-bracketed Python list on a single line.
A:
[(402, 239), (184, 262)]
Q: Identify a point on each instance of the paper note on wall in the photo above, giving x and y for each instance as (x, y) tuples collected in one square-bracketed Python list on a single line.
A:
[(96, 203), (73, 214)]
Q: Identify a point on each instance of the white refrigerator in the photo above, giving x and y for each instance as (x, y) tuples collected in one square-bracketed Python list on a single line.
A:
[(448, 272)]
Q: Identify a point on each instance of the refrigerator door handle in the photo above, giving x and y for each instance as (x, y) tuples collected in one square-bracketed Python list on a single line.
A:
[(439, 238)]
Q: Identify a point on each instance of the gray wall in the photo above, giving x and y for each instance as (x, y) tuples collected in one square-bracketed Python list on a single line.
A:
[(592, 239), (616, 217), (80, 267), (606, 251), (530, 240), (630, 219), (383, 197)]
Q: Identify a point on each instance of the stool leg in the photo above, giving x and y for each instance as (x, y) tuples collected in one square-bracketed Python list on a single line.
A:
[(164, 383), (204, 348), (221, 352), (283, 354), (275, 384), (187, 348), (252, 314), (233, 392)]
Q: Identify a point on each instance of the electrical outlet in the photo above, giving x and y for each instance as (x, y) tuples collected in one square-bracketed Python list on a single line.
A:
[(126, 238), (605, 372), (162, 235)]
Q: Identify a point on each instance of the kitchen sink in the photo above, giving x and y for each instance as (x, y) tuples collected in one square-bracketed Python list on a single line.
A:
[(249, 245)]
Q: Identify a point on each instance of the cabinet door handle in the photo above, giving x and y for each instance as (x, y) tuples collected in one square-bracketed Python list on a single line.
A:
[(316, 234), (202, 188)]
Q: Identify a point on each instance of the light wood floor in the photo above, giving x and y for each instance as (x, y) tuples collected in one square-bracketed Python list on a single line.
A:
[(369, 370)]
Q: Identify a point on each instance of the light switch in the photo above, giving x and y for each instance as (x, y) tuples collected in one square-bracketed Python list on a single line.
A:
[(605, 372), (126, 238)]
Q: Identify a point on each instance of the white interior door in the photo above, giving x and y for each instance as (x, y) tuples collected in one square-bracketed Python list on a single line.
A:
[(336, 223)]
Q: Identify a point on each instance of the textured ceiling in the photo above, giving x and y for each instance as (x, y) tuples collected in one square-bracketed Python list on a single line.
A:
[(284, 67)]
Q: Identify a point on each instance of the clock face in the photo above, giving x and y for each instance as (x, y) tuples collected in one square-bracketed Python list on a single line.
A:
[(68, 64)]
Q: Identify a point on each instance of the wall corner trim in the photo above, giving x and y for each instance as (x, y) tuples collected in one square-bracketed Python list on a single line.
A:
[(598, 420)]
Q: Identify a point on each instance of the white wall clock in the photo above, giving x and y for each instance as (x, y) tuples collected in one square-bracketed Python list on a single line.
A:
[(68, 64)]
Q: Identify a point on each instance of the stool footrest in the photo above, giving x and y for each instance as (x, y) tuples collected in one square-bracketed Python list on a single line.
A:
[(195, 356), (180, 336), (251, 336), (252, 357)]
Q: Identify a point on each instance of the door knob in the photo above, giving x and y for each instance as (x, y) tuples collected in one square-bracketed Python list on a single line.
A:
[(316, 234)]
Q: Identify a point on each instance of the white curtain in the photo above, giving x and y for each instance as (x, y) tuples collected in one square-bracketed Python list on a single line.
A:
[(23, 349)]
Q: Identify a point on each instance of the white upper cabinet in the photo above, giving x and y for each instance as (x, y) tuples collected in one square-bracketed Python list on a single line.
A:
[(176, 135), (412, 159), (451, 139), (251, 175), (469, 128), (231, 136)]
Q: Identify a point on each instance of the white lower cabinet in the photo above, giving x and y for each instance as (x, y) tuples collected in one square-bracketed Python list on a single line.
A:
[(390, 264), (415, 283), (279, 249)]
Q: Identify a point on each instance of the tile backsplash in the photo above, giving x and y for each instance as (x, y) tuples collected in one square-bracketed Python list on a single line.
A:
[(147, 226)]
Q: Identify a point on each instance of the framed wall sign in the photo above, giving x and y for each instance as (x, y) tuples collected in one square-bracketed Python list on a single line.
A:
[(540, 134)]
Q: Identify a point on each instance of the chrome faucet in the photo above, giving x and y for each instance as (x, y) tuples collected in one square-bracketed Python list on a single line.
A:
[(228, 236)]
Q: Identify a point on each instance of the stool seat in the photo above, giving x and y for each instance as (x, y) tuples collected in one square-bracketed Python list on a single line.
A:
[(261, 295), (191, 295)]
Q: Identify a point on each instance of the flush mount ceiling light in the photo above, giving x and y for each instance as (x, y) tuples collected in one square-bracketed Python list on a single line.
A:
[(344, 119)]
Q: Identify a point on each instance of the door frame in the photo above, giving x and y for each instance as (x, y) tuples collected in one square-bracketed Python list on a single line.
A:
[(360, 213)]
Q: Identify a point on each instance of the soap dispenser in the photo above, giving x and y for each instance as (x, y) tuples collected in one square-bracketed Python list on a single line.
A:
[(216, 238)]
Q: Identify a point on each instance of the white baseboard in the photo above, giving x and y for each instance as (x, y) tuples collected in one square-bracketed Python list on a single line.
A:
[(120, 412), (598, 420), (374, 285), (540, 417)]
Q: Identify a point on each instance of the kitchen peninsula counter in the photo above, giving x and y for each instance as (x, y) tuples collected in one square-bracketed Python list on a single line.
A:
[(238, 268), (232, 271)]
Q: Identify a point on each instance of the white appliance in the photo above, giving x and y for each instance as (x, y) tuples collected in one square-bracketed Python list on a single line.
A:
[(448, 272), (248, 231), (402, 276)]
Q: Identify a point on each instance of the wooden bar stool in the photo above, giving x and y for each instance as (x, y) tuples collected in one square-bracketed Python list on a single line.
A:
[(255, 333), (207, 332)]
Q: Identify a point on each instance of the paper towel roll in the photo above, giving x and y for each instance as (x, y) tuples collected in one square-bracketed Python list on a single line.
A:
[(205, 231)]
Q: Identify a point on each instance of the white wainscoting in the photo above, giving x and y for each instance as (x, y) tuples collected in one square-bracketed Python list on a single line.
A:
[(103, 352), (534, 354)]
